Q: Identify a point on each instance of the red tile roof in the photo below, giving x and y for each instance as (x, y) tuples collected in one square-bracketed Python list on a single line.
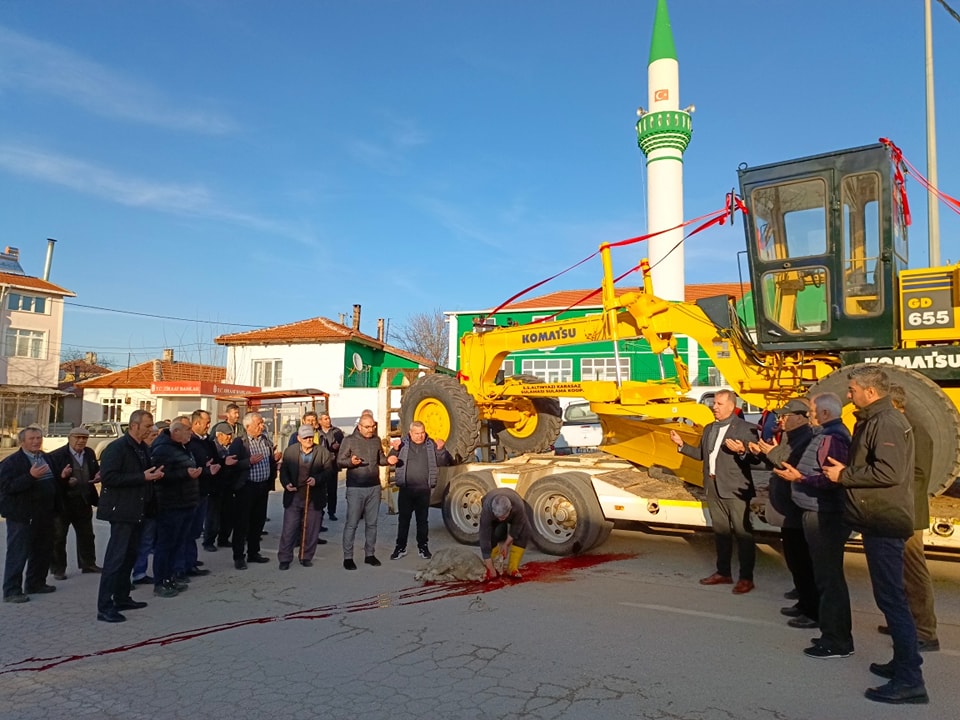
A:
[(313, 331), (562, 299), (140, 376), (25, 282)]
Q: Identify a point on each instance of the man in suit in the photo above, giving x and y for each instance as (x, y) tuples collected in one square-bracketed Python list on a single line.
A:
[(727, 480), (77, 471), (28, 500)]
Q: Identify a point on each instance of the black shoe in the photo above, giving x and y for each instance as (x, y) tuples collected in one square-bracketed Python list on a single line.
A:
[(792, 594), (181, 580), (307, 563), (224, 543), (331, 516), (349, 565), (398, 552), (111, 616), (209, 547), (792, 611), (197, 572), (284, 566), (823, 653), (372, 560), (240, 564), (19, 598), (803, 622), (323, 529), (263, 532), (145, 580), (257, 559), (198, 563), (898, 694), (321, 541), (424, 552), (180, 584), (130, 604), (884, 670), (91, 569), (928, 645), (41, 589), (165, 590)]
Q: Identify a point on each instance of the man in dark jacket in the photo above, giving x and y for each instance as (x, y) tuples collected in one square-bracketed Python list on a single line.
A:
[(301, 468), (504, 531), (879, 504), (362, 455), (726, 478), (418, 458), (331, 436), (28, 500), (77, 471), (821, 502), (127, 476), (204, 451), (178, 492)]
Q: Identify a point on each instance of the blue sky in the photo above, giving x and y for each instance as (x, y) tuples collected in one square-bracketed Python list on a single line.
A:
[(255, 163)]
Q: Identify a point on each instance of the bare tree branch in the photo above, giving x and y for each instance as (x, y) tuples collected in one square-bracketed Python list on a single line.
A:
[(425, 334)]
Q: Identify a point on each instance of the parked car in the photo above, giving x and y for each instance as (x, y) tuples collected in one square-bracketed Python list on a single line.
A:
[(101, 435), (580, 432)]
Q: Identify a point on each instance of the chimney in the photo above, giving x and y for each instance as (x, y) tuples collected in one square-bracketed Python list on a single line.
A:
[(46, 265), (356, 318), (343, 318), (90, 358), (157, 371), (168, 355), (380, 325)]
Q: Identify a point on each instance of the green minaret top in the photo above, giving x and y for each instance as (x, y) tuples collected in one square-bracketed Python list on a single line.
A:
[(661, 46)]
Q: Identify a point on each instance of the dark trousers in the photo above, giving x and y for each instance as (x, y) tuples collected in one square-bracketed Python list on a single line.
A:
[(796, 553), (30, 546), (211, 522), (228, 500), (188, 554), (294, 531), (412, 501), (885, 563), (145, 547), (826, 536), (117, 564), (173, 528), (77, 513), (249, 514), (331, 481), (730, 518)]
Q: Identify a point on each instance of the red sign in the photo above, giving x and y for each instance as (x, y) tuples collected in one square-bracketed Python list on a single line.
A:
[(661, 95), (200, 387)]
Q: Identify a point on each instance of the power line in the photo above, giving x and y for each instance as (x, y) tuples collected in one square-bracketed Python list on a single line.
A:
[(161, 317), (953, 13)]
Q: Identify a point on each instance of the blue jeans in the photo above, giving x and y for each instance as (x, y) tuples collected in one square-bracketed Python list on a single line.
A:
[(885, 563), (187, 557), (173, 527)]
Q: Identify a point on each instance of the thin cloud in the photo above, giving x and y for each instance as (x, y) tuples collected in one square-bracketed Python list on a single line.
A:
[(191, 199), (399, 136), (33, 66)]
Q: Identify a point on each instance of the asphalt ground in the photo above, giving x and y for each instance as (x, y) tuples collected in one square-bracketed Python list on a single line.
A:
[(625, 631)]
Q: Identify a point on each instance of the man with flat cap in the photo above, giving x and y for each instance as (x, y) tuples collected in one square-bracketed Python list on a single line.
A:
[(77, 472)]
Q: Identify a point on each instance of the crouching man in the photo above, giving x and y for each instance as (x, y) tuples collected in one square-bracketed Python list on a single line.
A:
[(504, 531)]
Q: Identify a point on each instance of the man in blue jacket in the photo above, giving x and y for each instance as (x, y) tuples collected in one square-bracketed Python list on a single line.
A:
[(418, 458)]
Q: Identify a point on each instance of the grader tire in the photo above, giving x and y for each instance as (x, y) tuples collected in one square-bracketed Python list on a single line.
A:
[(538, 433), (934, 418), (447, 411), (564, 514)]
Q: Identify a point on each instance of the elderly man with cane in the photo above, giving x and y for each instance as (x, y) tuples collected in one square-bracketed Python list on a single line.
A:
[(301, 466)]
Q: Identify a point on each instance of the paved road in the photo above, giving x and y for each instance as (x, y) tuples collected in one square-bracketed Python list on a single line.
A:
[(630, 634)]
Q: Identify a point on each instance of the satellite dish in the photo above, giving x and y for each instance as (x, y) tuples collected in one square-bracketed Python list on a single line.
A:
[(357, 362)]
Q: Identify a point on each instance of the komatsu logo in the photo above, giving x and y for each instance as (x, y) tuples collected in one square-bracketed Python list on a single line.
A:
[(929, 361), (549, 335)]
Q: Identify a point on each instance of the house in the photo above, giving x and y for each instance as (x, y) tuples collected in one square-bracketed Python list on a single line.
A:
[(31, 327), (165, 387), (68, 408), (594, 360), (320, 353)]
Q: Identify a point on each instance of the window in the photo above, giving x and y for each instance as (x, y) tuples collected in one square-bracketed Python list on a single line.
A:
[(268, 373), (507, 368), (26, 303), (861, 244), (112, 409), (25, 343), (791, 220), (146, 405), (797, 300), (604, 368), (552, 370)]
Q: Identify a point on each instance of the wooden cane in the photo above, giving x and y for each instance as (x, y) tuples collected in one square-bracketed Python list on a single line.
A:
[(303, 527)]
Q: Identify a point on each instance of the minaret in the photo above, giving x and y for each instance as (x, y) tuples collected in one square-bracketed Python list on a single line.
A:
[(663, 133)]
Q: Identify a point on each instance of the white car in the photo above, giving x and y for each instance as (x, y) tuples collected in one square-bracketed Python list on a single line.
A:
[(581, 431)]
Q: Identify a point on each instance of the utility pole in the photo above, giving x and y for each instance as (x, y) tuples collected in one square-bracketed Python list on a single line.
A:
[(933, 206)]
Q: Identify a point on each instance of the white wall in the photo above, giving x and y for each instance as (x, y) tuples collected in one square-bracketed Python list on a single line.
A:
[(92, 401), (304, 366), (43, 372)]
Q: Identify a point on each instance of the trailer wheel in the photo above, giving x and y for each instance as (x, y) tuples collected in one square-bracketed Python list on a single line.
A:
[(933, 416), (461, 505), (447, 412), (539, 428), (564, 514)]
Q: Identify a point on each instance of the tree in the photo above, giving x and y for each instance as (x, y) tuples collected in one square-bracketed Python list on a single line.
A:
[(425, 334)]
